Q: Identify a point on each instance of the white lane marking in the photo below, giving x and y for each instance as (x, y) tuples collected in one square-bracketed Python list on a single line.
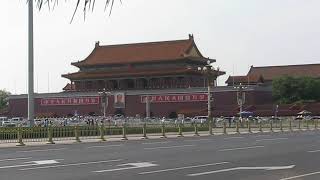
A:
[(20, 165), (169, 147), (241, 148), (195, 140), (186, 167), (15, 159), (302, 175), (114, 145), (32, 163), (263, 135), (73, 164), (42, 150), (314, 151), (162, 142), (45, 162), (268, 168), (234, 138), (133, 166), (274, 139)]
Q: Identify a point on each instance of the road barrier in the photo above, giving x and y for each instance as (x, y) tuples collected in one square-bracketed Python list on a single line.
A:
[(77, 133), (52, 134), (102, 129), (163, 131), (237, 128), (196, 130), (124, 132), (249, 127), (180, 130), (299, 124), (260, 126), (144, 131), (20, 142)]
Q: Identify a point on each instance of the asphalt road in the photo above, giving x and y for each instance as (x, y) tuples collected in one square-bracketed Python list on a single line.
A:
[(280, 156)]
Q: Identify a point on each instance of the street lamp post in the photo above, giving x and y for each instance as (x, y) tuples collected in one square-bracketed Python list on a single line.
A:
[(147, 107), (105, 101), (30, 64), (241, 98), (211, 74), (276, 112)]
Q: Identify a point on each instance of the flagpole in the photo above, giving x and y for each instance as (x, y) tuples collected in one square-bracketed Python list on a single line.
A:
[(30, 65)]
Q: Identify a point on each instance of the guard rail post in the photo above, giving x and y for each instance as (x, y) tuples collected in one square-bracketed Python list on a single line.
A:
[(163, 131), (224, 128), (102, 131), (271, 128), (144, 131), (237, 128), (124, 132), (260, 126), (19, 134), (180, 130), (77, 133), (196, 130), (50, 135)]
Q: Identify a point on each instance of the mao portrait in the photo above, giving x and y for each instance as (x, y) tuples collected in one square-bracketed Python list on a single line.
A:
[(119, 100)]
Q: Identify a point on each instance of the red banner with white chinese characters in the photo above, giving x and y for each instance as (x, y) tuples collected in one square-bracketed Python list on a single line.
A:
[(70, 101), (169, 98)]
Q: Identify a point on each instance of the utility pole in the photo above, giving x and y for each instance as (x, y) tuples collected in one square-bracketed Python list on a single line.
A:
[(147, 106), (30, 65)]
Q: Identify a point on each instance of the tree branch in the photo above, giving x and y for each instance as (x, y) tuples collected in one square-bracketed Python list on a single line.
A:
[(87, 5)]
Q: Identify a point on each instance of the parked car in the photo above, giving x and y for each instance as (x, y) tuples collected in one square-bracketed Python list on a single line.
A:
[(16, 120), (3, 119), (166, 121), (187, 120), (7, 123), (274, 118), (199, 119), (118, 116), (298, 118)]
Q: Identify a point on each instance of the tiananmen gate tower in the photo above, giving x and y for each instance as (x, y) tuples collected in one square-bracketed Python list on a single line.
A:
[(166, 72)]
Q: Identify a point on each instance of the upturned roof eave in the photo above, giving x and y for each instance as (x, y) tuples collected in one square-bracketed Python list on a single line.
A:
[(71, 76), (198, 59)]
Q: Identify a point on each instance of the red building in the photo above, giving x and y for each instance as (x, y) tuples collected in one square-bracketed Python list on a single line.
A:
[(166, 71)]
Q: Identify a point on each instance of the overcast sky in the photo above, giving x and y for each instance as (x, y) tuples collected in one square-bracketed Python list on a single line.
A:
[(238, 33)]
